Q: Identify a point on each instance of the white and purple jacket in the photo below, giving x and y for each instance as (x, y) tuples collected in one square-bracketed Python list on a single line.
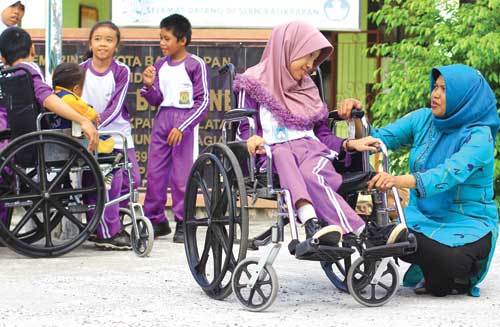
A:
[(106, 92), (266, 125), (181, 85)]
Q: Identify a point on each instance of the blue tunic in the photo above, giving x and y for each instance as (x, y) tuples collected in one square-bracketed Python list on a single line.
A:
[(453, 201)]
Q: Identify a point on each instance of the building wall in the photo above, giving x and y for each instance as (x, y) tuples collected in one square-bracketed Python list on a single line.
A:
[(355, 69), (71, 10)]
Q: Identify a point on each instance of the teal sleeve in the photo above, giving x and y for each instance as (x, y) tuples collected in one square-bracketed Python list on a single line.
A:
[(475, 153), (400, 133)]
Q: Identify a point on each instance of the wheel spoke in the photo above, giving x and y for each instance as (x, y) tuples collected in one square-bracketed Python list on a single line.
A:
[(385, 287), (261, 294), (46, 225), (20, 197), (249, 275), (42, 167), (27, 216), (373, 292), (19, 172), (200, 267), (68, 215), (64, 171), (70, 191), (217, 252), (250, 297), (223, 240), (200, 222), (206, 194)]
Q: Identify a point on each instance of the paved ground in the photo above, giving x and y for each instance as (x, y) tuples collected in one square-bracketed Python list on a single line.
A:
[(93, 288)]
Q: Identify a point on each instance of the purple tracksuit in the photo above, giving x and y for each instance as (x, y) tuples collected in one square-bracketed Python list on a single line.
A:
[(303, 165), (106, 92), (181, 92), (42, 91)]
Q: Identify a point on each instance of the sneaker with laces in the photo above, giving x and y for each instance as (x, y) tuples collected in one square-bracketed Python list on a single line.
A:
[(179, 233), (120, 242), (162, 229), (329, 235), (384, 235)]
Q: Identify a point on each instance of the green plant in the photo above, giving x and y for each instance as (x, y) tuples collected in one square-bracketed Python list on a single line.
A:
[(436, 33)]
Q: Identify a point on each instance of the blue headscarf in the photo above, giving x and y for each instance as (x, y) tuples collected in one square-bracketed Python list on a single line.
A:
[(469, 102)]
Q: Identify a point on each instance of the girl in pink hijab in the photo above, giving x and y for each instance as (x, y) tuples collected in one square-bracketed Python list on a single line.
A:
[(293, 120)]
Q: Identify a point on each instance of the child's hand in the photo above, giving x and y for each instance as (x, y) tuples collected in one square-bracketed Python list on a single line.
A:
[(149, 75), (346, 106), (254, 145), (368, 143), (174, 137), (91, 133)]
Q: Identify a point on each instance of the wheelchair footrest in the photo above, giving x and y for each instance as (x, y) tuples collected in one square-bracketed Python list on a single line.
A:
[(307, 251), (391, 250)]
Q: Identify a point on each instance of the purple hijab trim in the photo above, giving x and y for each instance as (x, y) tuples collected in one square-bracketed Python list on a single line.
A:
[(284, 117)]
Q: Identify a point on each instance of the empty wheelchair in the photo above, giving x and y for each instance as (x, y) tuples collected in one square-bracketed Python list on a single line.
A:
[(216, 241), (42, 208)]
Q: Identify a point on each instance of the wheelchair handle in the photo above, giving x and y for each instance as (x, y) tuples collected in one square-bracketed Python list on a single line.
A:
[(227, 67), (355, 114)]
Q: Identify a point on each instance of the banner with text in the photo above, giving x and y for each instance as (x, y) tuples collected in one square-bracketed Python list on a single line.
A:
[(330, 15)]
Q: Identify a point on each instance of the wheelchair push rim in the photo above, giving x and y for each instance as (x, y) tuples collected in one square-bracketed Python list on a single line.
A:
[(47, 195), (217, 241)]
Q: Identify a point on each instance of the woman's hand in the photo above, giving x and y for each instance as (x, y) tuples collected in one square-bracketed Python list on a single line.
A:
[(368, 143), (148, 76), (254, 145), (385, 181), (346, 106), (91, 133)]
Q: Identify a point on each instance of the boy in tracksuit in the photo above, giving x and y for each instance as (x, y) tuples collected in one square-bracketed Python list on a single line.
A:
[(178, 84)]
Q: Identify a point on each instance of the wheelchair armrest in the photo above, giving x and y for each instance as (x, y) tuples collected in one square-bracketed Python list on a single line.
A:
[(355, 114), (236, 114), (5, 134)]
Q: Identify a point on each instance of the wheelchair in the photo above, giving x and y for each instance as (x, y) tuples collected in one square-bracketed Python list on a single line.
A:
[(42, 196), (216, 242)]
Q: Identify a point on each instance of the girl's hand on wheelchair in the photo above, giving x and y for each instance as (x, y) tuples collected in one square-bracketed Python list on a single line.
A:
[(255, 145), (346, 106), (97, 119), (91, 133), (368, 143), (382, 181)]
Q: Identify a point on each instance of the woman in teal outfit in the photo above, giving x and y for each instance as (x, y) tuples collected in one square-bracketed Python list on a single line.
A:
[(451, 209)]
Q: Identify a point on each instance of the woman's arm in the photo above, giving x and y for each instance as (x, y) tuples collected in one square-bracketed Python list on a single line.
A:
[(474, 154)]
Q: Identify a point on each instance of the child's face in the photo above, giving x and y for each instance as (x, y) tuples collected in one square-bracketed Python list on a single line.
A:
[(303, 66), (169, 44), (104, 43), (13, 15)]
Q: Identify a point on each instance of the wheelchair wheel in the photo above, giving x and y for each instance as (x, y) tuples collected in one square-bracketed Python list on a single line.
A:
[(337, 273), (41, 166), (362, 290), (215, 240), (142, 241), (263, 293)]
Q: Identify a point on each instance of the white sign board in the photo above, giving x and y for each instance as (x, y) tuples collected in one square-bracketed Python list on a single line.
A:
[(333, 15)]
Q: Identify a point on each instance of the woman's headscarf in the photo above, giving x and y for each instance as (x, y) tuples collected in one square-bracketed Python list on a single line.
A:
[(470, 102), (293, 104)]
